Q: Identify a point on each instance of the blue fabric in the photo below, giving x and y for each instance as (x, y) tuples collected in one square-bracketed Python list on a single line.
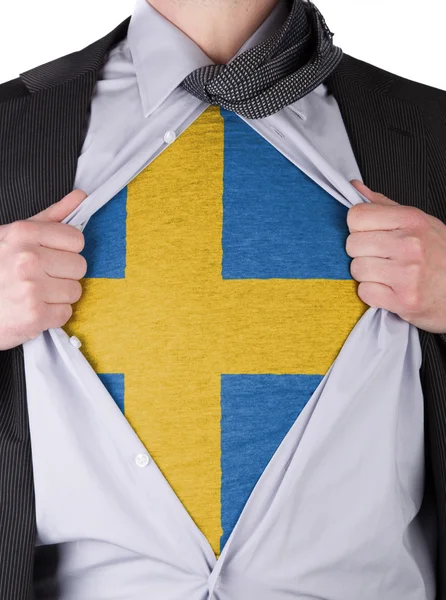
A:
[(275, 219), (114, 382), (277, 224), (105, 239), (257, 412)]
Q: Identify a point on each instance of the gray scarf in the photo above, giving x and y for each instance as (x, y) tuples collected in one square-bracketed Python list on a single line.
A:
[(275, 73)]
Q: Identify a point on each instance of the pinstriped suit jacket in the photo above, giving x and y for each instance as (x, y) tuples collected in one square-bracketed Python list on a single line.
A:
[(397, 129)]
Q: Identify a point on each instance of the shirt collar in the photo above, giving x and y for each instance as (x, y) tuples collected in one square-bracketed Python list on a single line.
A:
[(163, 55)]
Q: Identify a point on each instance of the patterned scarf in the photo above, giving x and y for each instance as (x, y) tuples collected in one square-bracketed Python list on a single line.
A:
[(275, 73)]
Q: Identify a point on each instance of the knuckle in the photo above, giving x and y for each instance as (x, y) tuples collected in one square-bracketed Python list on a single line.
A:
[(414, 249), (363, 292), (29, 290), (417, 219), (74, 238), (412, 301), (414, 276), (355, 268), (350, 245), (34, 315), (354, 214), (368, 293), (20, 229), (83, 266), (356, 209), (353, 265), (76, 291), (78, 240), (70, 292), (26, 263), (65, 314)]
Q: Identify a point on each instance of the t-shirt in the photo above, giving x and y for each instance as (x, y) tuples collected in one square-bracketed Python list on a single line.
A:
[(217, 296)]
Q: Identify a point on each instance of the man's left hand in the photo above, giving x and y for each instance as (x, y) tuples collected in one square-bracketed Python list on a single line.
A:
[(399, 259)]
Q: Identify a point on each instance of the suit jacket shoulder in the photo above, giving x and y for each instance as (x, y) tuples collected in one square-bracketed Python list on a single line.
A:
[(11, 90), (65, 68), (421, 93), (406, 89)]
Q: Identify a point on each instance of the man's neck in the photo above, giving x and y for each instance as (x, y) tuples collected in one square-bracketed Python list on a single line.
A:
[(218, 27)]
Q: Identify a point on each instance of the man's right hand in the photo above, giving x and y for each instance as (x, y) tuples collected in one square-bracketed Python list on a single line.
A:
[(40, 268)]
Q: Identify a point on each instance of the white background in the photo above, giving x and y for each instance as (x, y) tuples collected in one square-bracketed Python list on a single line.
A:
[(406, 37)]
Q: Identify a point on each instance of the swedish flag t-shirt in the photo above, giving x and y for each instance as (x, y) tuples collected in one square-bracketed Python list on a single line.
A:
[(217, 296)]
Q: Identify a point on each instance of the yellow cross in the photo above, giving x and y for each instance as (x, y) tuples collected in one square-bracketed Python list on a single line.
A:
[(173, 325)]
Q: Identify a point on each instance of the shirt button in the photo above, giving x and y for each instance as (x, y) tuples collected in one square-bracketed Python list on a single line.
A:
[(142, 460), (170, 136), (75, 341)]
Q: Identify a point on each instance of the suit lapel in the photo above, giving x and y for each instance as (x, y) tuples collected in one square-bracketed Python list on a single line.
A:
[(385, 131), (77, 64), (44, 127)]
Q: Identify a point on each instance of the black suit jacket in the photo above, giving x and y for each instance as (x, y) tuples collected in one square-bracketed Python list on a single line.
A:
[(397, 129)]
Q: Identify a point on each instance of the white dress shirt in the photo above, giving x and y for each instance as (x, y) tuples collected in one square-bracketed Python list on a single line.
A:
[(334, 515)]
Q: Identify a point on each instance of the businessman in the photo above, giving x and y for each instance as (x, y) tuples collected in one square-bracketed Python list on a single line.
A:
[(197, 212)]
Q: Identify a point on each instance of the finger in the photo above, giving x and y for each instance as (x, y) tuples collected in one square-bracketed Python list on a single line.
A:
[(55, 315), (375, 217), (381, 244), (63, 265), (50, 235), (378, 295), (60, 210), (375, 197), (376, 270), (383, 200), (60, 291), (60, 236)]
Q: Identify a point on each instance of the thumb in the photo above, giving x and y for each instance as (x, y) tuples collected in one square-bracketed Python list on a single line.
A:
[(374, 197), (58, 211)]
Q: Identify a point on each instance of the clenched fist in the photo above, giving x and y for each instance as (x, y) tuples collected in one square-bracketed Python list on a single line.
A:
[(40, 268), (399, 258)]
